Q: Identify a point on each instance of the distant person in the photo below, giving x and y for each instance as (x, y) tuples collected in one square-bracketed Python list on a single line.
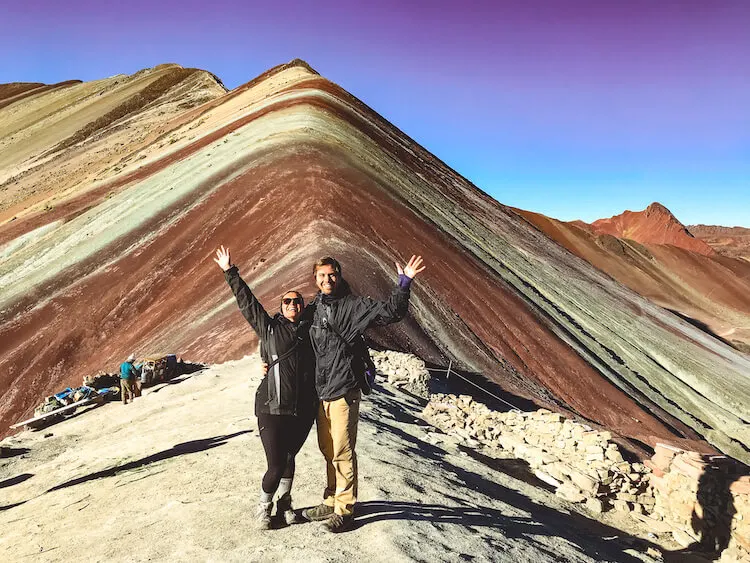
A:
[(285, 402), (128, 379), (138, 381), (339, 319)]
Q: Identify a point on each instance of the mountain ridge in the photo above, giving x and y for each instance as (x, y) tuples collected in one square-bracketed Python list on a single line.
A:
[(733, 242), (500, 298), (655, 225)]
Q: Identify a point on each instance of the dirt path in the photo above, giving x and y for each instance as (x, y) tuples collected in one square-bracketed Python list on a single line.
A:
[(174, 477)]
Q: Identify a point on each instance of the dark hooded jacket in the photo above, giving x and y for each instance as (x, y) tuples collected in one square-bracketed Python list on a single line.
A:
[(338, 322), (289, 386)]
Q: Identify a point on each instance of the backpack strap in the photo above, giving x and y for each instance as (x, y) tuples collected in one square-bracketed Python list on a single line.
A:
[(284, 356), (366, 380), (288, 353)]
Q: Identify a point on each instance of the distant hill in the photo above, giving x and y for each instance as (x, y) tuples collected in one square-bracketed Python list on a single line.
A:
[(655, 225), (704, 288), (727, 241)]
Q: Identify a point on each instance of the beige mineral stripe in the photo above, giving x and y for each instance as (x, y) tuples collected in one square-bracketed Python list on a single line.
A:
[(39, 124), (42, 259)]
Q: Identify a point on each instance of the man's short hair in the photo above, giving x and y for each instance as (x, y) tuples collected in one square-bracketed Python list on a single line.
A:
[(327, 261)]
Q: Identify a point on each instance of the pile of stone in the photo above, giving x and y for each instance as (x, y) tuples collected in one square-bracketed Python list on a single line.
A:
[(704, 498), (403, 370), (583, 464), (739, 542), (102, 380)]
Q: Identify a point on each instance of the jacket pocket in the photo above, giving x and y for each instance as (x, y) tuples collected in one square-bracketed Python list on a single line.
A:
[(274, 384), (353, 397)]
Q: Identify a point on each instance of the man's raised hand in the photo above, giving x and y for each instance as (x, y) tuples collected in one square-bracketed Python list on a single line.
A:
[(222, 258), (413, 267)]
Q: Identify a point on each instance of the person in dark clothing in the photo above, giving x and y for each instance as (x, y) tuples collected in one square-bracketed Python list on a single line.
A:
[(285, 402), (338, 322)]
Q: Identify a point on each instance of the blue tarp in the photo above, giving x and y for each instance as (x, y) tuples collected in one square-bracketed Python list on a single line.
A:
[(67, 395)]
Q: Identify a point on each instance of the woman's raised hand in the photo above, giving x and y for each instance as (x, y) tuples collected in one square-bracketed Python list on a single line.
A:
[(222, 258), (412, 268)]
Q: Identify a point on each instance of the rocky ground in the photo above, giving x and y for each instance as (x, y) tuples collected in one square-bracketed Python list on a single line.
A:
[(174, 476)]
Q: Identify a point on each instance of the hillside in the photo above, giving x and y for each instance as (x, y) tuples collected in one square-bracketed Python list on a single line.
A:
[(102, 262), (727, 241), (712, 292), (57, 140)]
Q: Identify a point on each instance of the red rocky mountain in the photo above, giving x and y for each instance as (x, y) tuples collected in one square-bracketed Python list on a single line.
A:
[(653, 225)]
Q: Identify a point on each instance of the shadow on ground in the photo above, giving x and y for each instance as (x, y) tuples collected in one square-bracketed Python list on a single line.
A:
[(700, 325), (44, 424), (595, 539), (12, 452), (15, 480), (183, 368), (191, 447)]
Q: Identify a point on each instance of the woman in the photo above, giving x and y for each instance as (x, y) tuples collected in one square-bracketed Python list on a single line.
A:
[(285, 403)]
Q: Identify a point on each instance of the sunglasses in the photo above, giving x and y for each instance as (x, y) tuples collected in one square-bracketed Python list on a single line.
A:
[(289, 300)]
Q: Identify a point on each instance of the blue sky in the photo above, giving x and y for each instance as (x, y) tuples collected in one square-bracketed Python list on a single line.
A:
[(577, 109)]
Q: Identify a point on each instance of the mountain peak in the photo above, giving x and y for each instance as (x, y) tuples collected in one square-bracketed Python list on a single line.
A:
[(657, 208), (654, 225), (298, 64)]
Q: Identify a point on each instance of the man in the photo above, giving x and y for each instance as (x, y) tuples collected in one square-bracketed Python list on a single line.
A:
[(339, 319), (128, 376)]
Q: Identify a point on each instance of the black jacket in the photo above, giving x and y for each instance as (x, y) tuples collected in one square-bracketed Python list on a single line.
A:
[(338, 321), (289, 386)]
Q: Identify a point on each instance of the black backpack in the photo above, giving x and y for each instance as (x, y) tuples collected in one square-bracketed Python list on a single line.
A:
[(362, 364)]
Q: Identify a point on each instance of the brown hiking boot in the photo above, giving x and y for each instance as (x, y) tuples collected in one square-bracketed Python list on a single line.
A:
[(317, 513), (337, 523)]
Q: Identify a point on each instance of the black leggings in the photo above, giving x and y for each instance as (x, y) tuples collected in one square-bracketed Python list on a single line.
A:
[(282, 436)]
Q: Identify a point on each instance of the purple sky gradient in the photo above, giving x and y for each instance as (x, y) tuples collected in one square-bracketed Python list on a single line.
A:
[(575, 109)]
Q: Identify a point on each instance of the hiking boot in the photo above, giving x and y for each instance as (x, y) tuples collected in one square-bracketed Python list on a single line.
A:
[(284, 509), (337, 523), (320, 512), (263, 515)]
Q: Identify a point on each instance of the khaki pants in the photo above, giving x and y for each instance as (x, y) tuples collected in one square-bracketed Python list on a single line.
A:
[(337, 438), (126, 390)]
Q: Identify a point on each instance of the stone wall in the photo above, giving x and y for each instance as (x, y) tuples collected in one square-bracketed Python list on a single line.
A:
[(583, 465), (704, 498), (403, 370), (696, 499)]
